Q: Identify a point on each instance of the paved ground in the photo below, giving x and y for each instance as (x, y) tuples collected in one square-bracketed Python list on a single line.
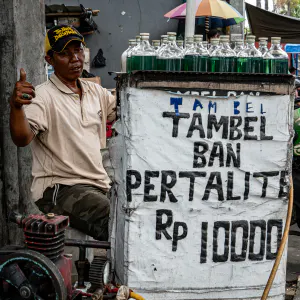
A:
[(293, 265)]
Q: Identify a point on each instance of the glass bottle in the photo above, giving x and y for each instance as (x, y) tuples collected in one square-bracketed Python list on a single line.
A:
[(156, 45), (214, 59), (203, 54), (169, 59), (190, 61), (126, 57), (267, 60), (162, 37), (138, 39), (239, 46), (242, 57), (164, 42), (198, 37), (263, 45), (180, 44), (254, 57), (280, 60), (143, 56), (228, 56)]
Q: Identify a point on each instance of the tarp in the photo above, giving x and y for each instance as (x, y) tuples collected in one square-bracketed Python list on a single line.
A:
[(200, 203), (267, 24)]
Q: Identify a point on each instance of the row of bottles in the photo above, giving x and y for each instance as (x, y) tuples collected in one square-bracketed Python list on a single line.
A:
[(168, 54)]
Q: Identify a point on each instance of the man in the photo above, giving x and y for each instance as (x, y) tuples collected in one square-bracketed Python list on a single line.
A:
[(292, 70), (64, 120), (213, 34)]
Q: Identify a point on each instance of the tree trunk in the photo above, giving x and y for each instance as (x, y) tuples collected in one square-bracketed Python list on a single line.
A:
[(258, 3), (267, 5), (21, 45)]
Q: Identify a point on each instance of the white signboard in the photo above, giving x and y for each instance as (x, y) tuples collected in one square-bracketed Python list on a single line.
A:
[(205, 196)]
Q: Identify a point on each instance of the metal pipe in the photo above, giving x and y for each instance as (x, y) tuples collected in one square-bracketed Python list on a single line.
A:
[(190, 18), (87, 244)]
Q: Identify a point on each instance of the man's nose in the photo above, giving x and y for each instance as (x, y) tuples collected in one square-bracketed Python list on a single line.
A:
[(74, 56)]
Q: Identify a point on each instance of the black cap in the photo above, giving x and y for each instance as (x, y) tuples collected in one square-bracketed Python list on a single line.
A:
[(58, 37)]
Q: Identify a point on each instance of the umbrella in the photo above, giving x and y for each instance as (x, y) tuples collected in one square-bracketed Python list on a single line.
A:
[(209, 8), (219, 22)]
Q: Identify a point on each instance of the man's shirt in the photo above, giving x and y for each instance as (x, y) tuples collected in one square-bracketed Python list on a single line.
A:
[(69, 134)]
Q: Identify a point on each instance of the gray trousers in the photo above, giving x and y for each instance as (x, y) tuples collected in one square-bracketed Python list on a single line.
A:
[(87, 207)]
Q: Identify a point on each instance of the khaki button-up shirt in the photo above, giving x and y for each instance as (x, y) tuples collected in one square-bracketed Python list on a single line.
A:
[(69, 134)]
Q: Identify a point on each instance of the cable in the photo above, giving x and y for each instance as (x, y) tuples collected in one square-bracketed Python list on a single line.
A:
[(282, 244)]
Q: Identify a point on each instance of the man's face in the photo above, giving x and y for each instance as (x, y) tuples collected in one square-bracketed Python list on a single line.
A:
[(68, 64)]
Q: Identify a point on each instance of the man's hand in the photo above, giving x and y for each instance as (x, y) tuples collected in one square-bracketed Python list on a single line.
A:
[(23, 92)]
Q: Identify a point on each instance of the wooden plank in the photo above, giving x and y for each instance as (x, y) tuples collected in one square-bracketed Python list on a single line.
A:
[(266, 88)]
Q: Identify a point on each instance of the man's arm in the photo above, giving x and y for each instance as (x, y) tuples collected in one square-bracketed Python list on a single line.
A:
[(19, 126), (111, 106)]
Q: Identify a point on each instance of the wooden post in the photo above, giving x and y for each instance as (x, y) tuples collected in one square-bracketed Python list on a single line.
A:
[(21, 45)]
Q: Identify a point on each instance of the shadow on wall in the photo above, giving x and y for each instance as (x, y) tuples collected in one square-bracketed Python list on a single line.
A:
[(120, 20)]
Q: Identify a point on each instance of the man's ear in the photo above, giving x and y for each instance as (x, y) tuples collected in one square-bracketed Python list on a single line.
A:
[(49, 60)]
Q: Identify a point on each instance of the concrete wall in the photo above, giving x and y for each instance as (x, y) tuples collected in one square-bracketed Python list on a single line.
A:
[(21, 45), (120, 20)]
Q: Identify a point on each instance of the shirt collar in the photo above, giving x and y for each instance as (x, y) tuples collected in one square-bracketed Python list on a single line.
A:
[(63, 88)]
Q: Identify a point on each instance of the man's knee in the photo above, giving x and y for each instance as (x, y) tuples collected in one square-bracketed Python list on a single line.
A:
[(104, 206)]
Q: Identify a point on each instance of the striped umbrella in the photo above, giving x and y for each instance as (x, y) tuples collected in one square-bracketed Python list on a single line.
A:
[(209, 8)]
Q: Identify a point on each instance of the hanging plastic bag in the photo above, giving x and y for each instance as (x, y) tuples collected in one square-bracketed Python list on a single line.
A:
[(99, 60)]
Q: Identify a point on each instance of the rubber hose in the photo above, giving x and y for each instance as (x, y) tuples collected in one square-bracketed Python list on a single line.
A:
[(282, 244), (136, 296)]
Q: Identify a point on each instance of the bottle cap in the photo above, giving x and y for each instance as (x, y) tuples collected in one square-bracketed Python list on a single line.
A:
[(155, 41), (132, 40), (215, 41), (179, 42), (144, 34), (263, 38), (275, 38), (198, 36), (171, 33), (251, 39), (190, 39), (138, 37), (164, 36)]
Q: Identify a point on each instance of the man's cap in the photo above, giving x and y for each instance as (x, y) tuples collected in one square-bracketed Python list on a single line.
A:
[(58, 37)]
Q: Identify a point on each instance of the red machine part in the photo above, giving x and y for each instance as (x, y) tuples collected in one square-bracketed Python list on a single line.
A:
[(45, 234), (109, 129), (64, 265)]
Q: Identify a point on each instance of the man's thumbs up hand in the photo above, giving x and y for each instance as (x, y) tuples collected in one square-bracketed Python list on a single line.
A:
[(22, 75), (23, 91)]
